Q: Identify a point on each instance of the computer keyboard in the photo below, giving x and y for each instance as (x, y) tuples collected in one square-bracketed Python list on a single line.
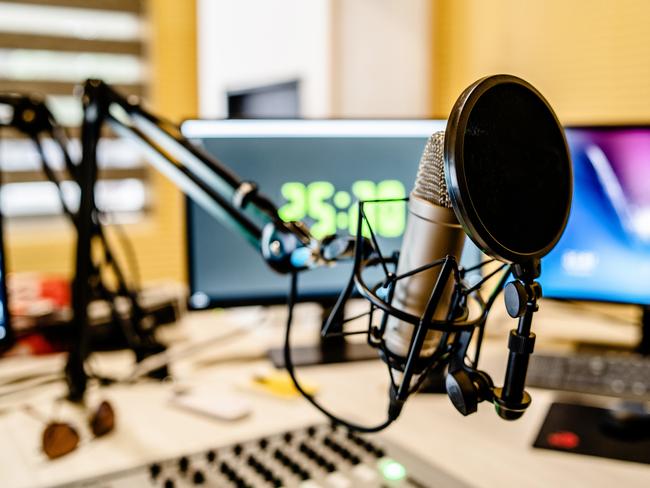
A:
[(620, 375), (316, 456)]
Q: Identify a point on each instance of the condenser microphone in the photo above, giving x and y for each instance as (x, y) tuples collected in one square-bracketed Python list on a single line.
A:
[(501, 175), (432, 233)]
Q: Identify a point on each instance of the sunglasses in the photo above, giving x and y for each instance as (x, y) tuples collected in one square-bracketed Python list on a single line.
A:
[(61, 438)]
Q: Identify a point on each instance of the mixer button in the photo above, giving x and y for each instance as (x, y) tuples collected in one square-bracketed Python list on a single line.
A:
[(198, 478), (183, 464), (210, 456), (154, 470)]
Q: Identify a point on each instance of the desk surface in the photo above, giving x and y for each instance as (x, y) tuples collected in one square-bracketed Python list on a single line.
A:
[(482, 449)]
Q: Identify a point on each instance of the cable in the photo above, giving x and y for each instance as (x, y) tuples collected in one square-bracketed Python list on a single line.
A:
[(288, 362)]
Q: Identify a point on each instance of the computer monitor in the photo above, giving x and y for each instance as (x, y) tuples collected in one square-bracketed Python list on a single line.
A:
[(314, 170), (604, 253), (6, 337)]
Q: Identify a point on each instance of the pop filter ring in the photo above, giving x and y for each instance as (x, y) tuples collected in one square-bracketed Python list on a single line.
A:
[(455, 171)]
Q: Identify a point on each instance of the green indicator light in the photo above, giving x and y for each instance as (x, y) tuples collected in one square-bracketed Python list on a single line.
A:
[(392, 470)]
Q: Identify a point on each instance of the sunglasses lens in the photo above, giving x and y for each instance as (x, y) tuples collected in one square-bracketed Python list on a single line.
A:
[(59, 439), (103, 420)]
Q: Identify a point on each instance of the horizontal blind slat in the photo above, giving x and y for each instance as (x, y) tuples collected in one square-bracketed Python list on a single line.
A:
[(58, 87), (69, 44), (135, 6)]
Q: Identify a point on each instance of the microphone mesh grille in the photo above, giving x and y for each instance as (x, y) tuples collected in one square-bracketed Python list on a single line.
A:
[(430, 183)]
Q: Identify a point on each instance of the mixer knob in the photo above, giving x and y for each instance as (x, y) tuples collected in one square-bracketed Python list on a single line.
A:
[(155, 470), (183, 464), (210, 456), (226, 470), (169, 483), (288, 437), (198, 478), (311, 431), (237, 449)]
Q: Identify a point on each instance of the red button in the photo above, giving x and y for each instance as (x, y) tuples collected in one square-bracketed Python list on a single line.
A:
[(563, 440)]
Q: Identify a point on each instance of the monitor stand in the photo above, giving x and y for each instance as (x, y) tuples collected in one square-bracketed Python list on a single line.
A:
[(642, 346), (329, 350)]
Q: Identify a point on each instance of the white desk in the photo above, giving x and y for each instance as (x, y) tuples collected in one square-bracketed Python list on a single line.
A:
[(482, 449)]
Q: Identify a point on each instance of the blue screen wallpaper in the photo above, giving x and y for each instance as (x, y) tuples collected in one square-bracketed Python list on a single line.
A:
[(604, 253)]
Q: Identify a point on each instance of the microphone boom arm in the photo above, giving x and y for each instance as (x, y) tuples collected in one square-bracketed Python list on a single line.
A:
[(285, 246)]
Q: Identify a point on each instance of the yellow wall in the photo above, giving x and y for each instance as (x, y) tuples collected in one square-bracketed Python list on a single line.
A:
[(590, 58), (159, 240)]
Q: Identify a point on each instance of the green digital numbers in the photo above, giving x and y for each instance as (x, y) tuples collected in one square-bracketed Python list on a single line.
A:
[(391, 216), (363, 190), (296, 206), (332, 211), (323, 213)]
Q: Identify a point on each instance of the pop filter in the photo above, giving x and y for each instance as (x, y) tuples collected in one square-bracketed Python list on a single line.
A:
[(508, 169)]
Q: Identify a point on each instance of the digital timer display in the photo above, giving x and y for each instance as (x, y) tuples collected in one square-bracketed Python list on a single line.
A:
[(315, 172), (335, 211)]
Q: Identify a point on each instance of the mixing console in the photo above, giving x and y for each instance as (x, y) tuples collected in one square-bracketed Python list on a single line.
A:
[(318, 456)]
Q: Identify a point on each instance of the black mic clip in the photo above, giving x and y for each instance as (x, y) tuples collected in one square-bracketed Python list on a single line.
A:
[(466, 388)]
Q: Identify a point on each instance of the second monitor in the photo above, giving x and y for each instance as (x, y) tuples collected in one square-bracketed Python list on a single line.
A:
[(313, 171)]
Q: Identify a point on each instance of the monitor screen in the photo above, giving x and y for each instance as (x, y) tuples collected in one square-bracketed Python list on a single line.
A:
[(5, 331), (604, 253), (313, 171)]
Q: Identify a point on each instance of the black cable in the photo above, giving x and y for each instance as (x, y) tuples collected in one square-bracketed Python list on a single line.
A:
[(288, 363), (488, 306)]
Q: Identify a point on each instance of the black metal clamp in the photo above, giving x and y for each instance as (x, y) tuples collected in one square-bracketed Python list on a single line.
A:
[(521, 295)]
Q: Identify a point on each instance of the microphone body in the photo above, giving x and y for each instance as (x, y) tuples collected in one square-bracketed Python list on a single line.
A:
[(432, 232)]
